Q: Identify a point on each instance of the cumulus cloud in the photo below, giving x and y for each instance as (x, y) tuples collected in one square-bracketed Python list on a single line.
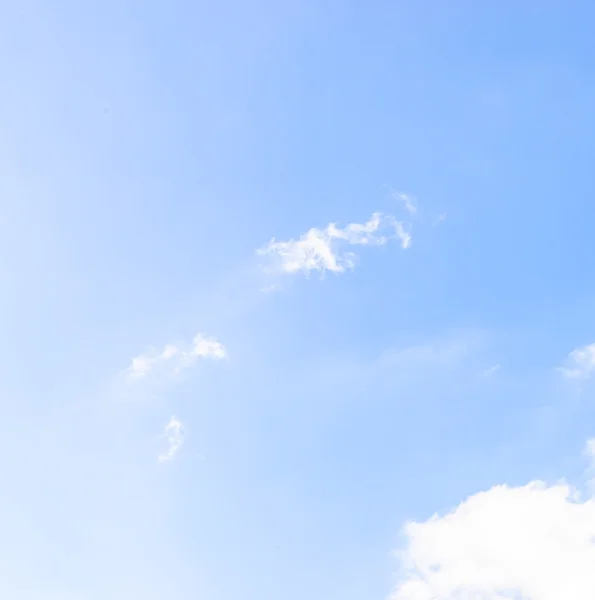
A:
[(580, 363), (175, 357), (174, 434), (510, 543), (324, 249)]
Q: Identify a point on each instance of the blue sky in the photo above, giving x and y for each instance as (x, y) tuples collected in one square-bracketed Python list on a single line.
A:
[(222, 376)]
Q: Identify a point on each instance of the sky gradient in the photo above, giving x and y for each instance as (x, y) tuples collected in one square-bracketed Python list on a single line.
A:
[(283, 280)]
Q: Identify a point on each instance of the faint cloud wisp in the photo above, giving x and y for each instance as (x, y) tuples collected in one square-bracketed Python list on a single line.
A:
[(407, 200), (439, 219), (270, 289), (492, 370), (175, 358), (174, 434)]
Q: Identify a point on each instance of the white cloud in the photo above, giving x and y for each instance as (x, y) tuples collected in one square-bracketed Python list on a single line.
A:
[(580, 363), (174, 434), (175, 358), (407, 201), (324, 249), (533, 542)]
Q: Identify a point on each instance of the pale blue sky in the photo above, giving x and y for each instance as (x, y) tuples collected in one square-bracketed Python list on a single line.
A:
[(148, 150)]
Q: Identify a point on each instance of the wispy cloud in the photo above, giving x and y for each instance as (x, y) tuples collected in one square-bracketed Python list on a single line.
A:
[(324, 249), (580, 363), (439, 219), (270, 289), (442, 352), (175, 358), (174, 434), (407, 200)]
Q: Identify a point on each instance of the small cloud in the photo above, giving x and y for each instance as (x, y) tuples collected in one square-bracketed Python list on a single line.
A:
[(323, 249), (580, 363), (174, 434), (175, 358), (207, 348)]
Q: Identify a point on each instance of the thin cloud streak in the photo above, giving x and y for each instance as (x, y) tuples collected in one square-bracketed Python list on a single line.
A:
[(174, 434), (408, 201), (175, 358)]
